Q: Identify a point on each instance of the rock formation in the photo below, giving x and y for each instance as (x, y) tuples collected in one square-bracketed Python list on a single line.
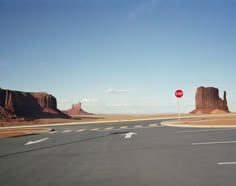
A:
[(207, 101), (76, 110), (16, 104)]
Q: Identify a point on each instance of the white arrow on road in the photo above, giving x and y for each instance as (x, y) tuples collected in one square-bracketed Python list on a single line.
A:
[(37, 141), (129, 134)]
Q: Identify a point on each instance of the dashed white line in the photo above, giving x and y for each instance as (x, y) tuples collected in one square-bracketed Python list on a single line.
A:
[(80, 130), (226, 163), (53, 132), (66, 131), (94, 129), (132, 128), (152, 125), (124, 127), (214, 142), (109, 128)]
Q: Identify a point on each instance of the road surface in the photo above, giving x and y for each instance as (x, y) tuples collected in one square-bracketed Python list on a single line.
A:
[(138, 153)]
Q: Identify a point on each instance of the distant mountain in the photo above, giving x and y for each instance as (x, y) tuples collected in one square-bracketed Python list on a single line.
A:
[(77, 110)]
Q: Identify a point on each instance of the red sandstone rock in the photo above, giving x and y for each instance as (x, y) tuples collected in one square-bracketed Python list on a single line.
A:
[(76, 110), (28, 105), (207, 100)]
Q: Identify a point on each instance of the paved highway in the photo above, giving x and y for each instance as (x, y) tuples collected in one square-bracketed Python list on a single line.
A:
[(105, 155)]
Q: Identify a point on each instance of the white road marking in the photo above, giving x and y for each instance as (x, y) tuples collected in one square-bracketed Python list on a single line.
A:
[(124, 127), (138, 126), (129, 134), (66, 131), (94, 129), (214, 142), (53, 132), (80, 130), (134, 128), (37, 141), (226, 163), (109, 128), (203, 130), (152, 125)]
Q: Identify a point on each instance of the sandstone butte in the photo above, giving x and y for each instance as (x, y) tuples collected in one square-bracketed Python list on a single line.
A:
[(32, 105), (207, 101), (77, 110)]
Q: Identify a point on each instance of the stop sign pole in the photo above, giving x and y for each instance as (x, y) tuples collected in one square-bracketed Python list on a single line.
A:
[(179, 93)]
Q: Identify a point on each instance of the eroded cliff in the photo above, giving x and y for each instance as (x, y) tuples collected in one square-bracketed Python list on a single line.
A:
[(207, 100), (15, 104)]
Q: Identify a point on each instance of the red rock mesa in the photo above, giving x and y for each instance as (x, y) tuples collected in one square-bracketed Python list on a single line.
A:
[(76, 110), (34, 105), (207, 101)]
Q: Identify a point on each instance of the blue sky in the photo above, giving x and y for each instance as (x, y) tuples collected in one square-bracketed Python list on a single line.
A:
[(119, 56)]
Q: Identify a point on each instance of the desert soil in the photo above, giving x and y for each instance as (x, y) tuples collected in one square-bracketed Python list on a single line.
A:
[(80, 119), (219, 120), (84, 118)]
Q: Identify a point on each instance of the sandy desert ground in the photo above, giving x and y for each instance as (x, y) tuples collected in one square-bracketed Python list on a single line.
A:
[(220, 119), (84, 118)]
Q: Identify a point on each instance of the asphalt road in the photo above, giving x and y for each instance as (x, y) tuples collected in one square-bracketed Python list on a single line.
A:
[(100, 155)]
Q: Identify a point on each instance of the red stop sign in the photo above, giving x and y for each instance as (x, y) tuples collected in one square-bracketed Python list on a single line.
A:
[(179, 93)]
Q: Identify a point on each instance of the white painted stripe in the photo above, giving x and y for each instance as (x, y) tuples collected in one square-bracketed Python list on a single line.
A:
[(160, 126), (109, 128), (94, 129), (138, 126), (203, 130), (124, 127), (212, 143), (152, 125), (80, 130), (226, 163), (37, 141), (66, 131), (53, 132)]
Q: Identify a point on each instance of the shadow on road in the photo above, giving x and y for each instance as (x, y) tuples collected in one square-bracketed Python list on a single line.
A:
[(59, 145)]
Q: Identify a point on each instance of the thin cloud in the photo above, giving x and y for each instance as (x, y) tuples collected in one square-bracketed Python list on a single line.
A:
[(116, 91), (89, 100), (118, 105)]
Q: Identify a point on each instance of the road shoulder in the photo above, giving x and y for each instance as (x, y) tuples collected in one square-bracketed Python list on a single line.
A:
[(224, 122)]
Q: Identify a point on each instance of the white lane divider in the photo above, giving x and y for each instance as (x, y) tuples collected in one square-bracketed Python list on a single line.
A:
[(109, 128), (226, 163), (214, 142), (94, 129), (106, 129), (81, 130), (66, 131), (53, 132), (152, 125), (124, 127)]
